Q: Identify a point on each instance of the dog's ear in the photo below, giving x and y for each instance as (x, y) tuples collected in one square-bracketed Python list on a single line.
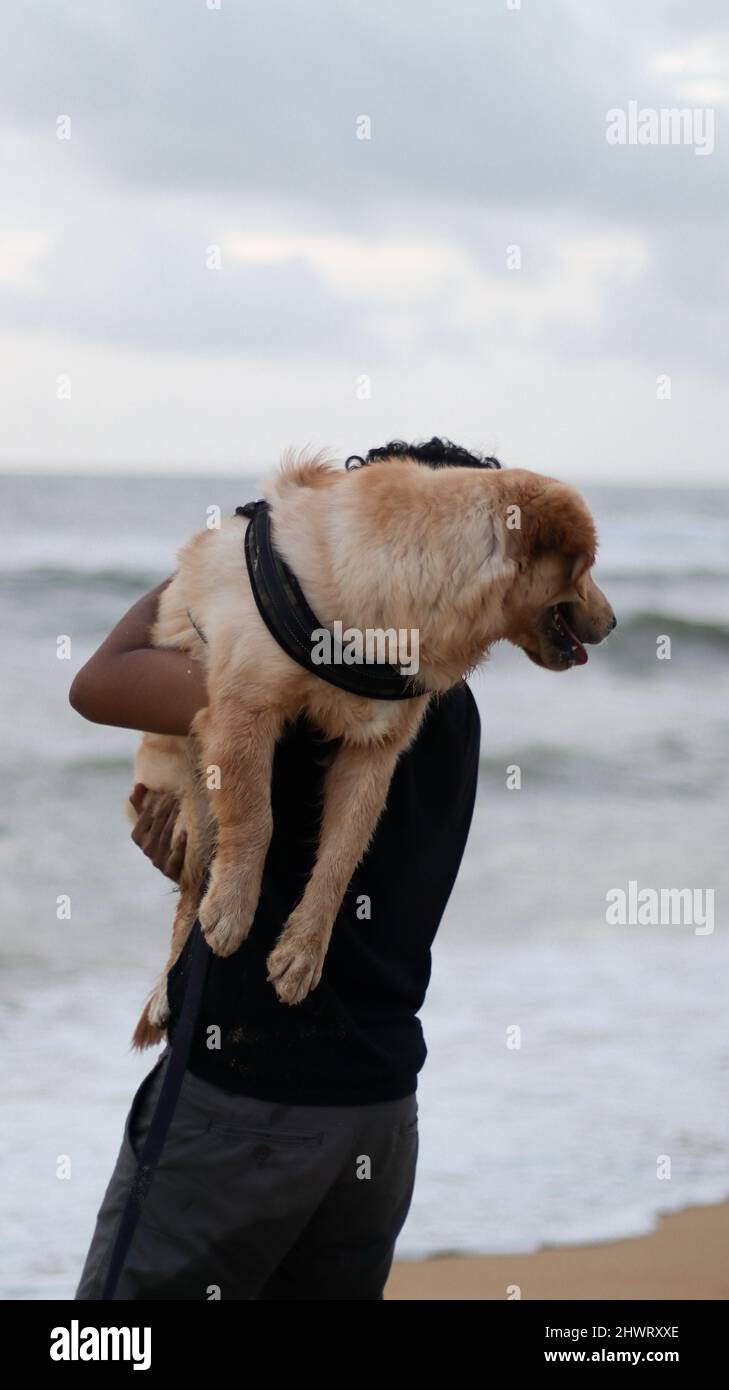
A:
[(548, 517), (581, 567)]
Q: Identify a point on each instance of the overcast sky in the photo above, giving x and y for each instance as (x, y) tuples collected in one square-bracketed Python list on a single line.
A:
[(363, 289)]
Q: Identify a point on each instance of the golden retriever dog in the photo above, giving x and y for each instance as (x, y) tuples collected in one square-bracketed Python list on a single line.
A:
[(463, 557)]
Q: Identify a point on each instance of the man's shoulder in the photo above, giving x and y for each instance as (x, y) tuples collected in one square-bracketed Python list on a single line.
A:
[(458, 711), (451, 728)]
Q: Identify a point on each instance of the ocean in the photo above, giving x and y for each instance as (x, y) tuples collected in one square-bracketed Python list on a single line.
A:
[(612, 1108)]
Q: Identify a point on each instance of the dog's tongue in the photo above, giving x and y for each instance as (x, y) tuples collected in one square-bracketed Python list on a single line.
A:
[(579, 655)]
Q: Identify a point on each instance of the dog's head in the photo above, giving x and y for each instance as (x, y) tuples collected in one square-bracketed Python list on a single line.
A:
[(554, 607)]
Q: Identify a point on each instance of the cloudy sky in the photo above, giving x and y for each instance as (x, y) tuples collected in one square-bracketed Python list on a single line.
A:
[(215, 265)]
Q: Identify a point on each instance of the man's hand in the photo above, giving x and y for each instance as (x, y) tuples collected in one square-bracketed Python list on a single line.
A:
[(157, 814)]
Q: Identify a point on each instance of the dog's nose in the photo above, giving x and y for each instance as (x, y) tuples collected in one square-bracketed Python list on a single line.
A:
[(613, 624)]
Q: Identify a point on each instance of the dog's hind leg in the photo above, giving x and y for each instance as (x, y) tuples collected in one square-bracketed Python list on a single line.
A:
[(155, 1015), (355, 792), (194, 820), (156, 1012), (238, 745)]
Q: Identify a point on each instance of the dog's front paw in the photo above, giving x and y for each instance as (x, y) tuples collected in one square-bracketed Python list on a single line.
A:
[(295, 965), (225, 916)]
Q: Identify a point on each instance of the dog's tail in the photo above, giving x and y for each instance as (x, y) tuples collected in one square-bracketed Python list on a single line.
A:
[(146, 1034)]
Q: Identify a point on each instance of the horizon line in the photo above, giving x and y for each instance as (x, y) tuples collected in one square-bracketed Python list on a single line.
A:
[(184, 472)]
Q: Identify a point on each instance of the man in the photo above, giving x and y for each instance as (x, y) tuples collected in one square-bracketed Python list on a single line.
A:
[(288, 1169)]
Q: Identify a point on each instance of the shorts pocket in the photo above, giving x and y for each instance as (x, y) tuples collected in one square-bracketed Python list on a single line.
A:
[(142, 1108), (275, 1137)]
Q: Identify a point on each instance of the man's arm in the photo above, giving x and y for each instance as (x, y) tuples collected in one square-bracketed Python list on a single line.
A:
[(132, 685)]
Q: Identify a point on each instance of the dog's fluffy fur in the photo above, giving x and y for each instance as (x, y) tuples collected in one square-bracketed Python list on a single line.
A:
[(467, 557)]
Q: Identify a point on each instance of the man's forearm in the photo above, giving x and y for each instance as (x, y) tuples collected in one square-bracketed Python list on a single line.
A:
[(132, 685)]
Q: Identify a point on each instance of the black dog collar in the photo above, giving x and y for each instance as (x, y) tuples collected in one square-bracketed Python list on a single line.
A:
[(283, 607)]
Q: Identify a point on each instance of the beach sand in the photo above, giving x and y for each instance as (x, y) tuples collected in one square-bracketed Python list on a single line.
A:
[(686, 1257)]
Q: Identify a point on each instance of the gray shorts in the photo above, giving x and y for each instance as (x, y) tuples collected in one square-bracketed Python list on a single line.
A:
[(255, 1200)]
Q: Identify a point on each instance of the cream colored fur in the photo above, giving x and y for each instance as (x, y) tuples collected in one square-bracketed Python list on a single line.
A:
[(393, 545)]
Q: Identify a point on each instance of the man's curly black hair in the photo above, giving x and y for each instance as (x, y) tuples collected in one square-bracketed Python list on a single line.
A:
[(437, 453)]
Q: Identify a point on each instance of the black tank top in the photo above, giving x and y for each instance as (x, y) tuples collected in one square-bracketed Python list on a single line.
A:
[(356, 1038)]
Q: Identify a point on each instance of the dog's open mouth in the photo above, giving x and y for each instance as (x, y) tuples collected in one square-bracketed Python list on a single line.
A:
[(563, 639)]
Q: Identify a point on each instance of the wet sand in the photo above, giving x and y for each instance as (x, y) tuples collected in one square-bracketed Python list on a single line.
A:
[(686, 1257)]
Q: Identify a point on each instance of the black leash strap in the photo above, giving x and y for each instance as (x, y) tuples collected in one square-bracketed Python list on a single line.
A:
[(165, 1109), (282, 605)]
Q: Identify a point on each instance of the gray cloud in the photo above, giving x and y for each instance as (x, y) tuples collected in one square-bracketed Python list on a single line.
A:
[(468, 102), (488, 129)]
